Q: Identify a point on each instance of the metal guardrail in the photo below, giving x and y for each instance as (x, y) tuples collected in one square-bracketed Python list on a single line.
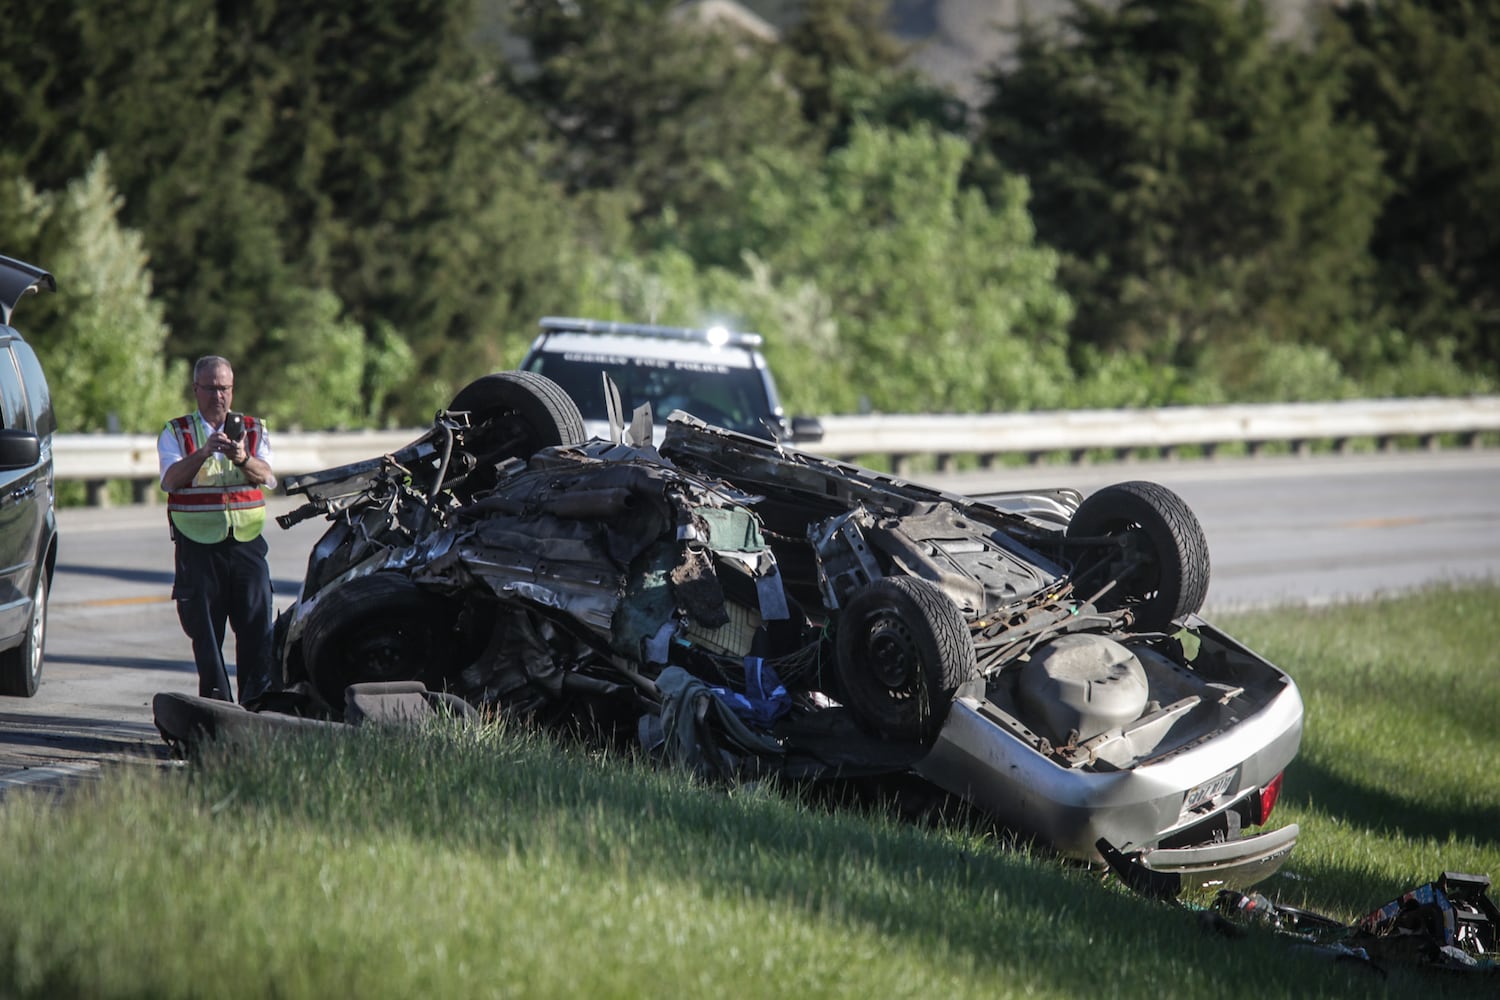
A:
[(898, 440), (1165, 431), (96, 459)]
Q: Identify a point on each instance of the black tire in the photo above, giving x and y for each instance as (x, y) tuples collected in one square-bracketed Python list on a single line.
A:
[(902, 649), (1174, 579), (381, 627), (21, 667), (516, 414), (279, 630)]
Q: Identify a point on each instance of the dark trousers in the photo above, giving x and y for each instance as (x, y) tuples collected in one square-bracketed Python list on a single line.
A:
[(228, 581)]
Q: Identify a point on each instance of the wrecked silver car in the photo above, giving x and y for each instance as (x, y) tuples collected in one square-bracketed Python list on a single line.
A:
[(743, 607)]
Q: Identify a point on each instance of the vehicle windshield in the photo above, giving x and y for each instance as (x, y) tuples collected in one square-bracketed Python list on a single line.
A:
[(725, 395)]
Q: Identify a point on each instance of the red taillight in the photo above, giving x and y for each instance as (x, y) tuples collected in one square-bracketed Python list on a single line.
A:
[(1266, 801)]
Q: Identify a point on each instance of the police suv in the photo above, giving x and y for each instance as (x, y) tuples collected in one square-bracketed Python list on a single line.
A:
[(716, 374)]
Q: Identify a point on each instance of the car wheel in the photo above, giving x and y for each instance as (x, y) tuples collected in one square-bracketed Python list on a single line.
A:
[(516, 414), (902, 649), (1172, 578), (21, 668), (381, 627)]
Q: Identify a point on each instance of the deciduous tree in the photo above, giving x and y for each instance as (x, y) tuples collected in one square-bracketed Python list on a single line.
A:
[(1195, 171), (879, 282), (1426, 74)]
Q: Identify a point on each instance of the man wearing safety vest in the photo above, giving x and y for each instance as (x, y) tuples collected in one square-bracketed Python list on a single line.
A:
[(214, 463)]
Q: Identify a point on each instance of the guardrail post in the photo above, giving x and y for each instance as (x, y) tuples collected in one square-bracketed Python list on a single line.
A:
[(97, 492)]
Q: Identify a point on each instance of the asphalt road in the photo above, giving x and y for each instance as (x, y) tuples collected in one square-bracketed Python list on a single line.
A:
[(1320, 530), (113, 642), (1280, 531)]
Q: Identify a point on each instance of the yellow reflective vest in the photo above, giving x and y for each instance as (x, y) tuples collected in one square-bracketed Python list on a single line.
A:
[(220, 498)]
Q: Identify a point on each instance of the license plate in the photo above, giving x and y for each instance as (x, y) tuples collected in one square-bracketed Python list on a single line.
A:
[(1208, 791)]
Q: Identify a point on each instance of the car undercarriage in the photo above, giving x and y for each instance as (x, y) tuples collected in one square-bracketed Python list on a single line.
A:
[(745, 608)]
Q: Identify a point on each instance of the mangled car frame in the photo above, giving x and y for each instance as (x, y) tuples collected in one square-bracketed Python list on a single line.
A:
[(1038, 654)]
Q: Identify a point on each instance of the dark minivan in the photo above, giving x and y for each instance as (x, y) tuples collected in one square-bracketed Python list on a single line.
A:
[(28, 519)]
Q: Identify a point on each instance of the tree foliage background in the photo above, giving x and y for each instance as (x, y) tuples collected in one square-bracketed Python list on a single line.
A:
[(366, 206)]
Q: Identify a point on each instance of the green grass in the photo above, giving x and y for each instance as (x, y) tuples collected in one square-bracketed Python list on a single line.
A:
[(1398, 778), (495, 862)]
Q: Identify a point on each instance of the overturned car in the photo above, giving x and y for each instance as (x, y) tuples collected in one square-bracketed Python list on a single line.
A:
[(740, 606)]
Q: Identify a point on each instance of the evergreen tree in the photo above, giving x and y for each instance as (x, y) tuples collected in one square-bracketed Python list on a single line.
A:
[(1194, 171), (180, 137), (1427, 75), (101, 338), (665, 109), (43, 78), (273, 153), (847, 66), (407, 186)]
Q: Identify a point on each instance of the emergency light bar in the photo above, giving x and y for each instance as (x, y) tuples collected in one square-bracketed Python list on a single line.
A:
[(708, 335)]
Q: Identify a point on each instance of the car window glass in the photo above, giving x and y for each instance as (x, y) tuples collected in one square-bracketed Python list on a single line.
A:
[(730, 396), (12, 398), (42, 419)]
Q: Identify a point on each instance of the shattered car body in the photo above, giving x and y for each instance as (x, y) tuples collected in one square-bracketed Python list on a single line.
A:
[(736, 603)]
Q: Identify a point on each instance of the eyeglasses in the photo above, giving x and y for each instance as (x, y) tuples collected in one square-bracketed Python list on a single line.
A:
[(214, 388)]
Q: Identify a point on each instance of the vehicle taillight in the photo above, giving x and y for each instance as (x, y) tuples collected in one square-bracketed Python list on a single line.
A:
[(1266, 800)]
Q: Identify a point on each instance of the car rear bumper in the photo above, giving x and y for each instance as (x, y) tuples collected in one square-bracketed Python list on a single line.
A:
[(1241, 862), (1134, 809)]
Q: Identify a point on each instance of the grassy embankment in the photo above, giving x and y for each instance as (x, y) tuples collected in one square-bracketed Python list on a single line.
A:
[(492, 863)]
